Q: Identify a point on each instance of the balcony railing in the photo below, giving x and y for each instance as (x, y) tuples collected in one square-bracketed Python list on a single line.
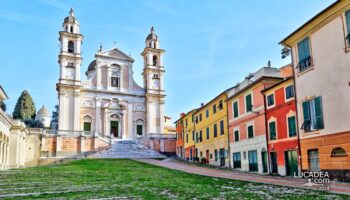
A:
[(304, 64), (72, 133)]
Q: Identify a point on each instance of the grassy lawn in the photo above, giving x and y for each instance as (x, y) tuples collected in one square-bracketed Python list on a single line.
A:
[(108, 178)]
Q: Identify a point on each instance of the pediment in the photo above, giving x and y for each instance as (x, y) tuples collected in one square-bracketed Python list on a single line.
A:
[(115, 53)]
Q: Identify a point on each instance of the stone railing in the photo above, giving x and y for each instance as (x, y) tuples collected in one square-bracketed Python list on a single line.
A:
[(159, 136), (76, 133)]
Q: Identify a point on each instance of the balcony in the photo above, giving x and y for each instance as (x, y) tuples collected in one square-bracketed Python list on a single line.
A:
[(304, 64)]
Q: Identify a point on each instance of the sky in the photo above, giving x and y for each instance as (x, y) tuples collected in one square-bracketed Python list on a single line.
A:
[(210, 45)]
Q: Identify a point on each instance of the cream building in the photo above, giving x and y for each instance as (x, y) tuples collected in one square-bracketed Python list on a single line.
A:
[(5, 125), (320, 54), (12, 140), (109, 102)]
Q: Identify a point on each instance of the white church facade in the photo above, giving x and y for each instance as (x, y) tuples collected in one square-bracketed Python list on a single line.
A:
[(109, 102)]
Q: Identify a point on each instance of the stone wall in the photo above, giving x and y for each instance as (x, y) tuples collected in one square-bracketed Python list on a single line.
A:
[(163, 143)]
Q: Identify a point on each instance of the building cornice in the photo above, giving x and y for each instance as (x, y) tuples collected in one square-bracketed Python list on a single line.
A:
[(317, 22)]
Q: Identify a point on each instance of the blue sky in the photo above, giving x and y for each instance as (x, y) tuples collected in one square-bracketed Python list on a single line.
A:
[(210, 45)]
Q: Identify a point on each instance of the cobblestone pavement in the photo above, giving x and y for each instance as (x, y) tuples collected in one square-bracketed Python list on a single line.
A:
[(220, 173), (127, 149)]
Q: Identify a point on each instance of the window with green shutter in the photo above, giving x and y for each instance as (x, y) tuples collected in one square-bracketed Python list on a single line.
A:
[(289, 92), (248, 103), (318, 113), (270, 100), (292, 130), (87, 126), (312, 115), (347, 15), (304, 54), (236, 133), (222, 130), (272, 129), (215, 130), (250, 131), (235, 109), (207, 133)]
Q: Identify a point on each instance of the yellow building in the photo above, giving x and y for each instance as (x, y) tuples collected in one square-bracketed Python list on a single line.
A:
[(189, 135), (168, 128), (211, 134)]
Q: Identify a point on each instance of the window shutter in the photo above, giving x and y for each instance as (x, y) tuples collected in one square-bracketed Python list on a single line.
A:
[(272, 126), (319, 114), (292, 126), (301, 55), (306, 48), (235, 109), (347, 15), (306, 113), (248, 101)]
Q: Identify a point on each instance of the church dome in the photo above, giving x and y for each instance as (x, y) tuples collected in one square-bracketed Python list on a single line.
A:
[(43, 112), (152, 35), (92, 66), (71, 18)]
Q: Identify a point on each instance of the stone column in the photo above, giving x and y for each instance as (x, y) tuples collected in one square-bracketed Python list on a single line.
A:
[(1, 155), (124, 124), (98, 116), (76, 107), (6, 156), (131, 132)]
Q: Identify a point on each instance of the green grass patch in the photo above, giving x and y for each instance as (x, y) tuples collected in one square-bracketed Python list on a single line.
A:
[(123, 178)]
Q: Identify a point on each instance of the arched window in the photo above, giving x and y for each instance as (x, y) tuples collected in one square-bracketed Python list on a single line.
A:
[(150, 44), (71, 29), (115, 80), (70, 47), (338, 152), (155, 63)]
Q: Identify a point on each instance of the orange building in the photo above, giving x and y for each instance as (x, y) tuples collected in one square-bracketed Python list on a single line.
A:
[(282, 140), (246, 119), (180, 137)]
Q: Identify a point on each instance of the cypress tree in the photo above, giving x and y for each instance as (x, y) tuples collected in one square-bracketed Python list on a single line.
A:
[(25, 107)]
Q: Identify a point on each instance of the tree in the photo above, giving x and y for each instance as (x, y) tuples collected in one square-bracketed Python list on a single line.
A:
[(2, 105), (25, 107), (54, 121)]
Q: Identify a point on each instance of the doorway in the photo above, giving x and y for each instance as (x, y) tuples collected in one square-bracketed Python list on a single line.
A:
[(291, 159), (253, 161), (274, 168), (207, 156), (264, 161), (222, 157), (115, 129), (314, 162)]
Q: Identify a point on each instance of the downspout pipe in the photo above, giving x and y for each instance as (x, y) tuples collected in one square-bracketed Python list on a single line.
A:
[(296, 109), (266, 133), (228, 134)]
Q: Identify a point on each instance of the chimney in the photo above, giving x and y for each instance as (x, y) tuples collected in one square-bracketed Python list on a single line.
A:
[(202, 104)]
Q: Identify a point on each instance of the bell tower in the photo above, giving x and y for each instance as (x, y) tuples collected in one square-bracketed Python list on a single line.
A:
[(153, 73), (68, 86)]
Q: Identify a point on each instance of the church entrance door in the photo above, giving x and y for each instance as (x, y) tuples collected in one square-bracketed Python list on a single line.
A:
[(115, 129)]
